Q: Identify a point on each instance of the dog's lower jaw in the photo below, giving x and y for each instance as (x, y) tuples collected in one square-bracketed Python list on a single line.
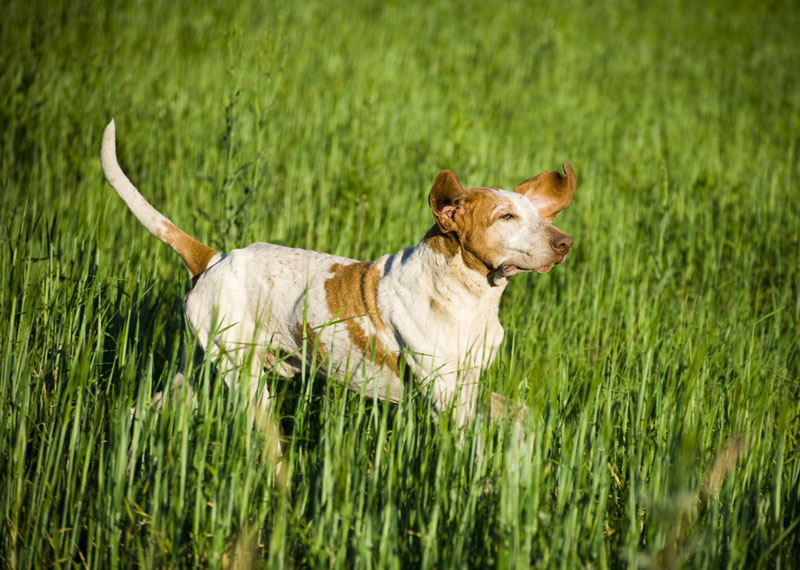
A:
[(512, 269), (509, 269), (549, 266)]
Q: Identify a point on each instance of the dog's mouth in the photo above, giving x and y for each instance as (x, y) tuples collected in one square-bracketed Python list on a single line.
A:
[(509, 269)]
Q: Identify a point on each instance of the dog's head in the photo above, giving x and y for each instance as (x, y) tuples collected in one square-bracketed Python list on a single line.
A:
[(502, 233)]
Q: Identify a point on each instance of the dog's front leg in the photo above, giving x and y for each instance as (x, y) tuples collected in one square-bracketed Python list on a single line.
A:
[(503, 410), (456, 393)]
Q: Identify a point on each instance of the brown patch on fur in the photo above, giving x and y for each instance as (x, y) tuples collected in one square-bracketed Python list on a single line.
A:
[(314, 346), (193, 253), (352, 291), (439, 308), (440, 242)]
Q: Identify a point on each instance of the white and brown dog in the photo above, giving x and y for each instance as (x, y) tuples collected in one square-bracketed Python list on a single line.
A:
[(427, 314)]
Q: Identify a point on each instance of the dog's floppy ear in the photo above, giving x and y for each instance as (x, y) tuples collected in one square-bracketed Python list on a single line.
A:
[(550, 191), (445, 198)]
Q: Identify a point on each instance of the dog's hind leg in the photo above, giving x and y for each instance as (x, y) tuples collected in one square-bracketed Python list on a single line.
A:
[(243, 370), (259, 409), (179, 381)]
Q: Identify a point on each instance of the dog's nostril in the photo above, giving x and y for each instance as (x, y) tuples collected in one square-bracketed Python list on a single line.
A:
[(561, 243)]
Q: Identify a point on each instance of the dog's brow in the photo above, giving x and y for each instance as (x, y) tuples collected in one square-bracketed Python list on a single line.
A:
[(502, 204)]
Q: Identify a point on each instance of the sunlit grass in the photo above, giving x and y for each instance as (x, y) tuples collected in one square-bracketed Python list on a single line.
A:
[(660, 363)]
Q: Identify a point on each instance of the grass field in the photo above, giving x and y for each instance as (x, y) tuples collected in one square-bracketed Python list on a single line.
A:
[(660, 363)]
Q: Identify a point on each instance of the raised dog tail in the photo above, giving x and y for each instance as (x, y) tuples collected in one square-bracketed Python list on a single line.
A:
[(193, 253)]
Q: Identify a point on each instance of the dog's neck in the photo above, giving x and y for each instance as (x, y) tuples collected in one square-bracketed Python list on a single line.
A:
[(439, 264), (461, 264)]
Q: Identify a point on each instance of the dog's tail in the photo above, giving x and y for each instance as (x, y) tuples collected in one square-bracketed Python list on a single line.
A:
[(193, 253)]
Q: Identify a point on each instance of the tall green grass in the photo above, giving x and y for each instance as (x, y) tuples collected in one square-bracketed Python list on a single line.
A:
[(661, 363)]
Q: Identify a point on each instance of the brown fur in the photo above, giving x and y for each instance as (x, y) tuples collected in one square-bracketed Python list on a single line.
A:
[(352, 291), (444, 199), (474, 227), (314, 346), (193, 253), (550, 191), (440, 242)]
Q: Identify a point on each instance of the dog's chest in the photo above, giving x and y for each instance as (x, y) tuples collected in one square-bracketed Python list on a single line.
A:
[(433, 317)]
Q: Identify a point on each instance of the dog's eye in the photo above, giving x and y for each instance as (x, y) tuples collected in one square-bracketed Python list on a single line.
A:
[(507, 217)]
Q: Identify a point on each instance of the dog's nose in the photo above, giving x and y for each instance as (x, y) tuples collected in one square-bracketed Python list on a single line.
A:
[(561, 243)]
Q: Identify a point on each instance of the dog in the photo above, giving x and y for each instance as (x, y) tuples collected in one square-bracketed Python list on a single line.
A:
[(426, 316)]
